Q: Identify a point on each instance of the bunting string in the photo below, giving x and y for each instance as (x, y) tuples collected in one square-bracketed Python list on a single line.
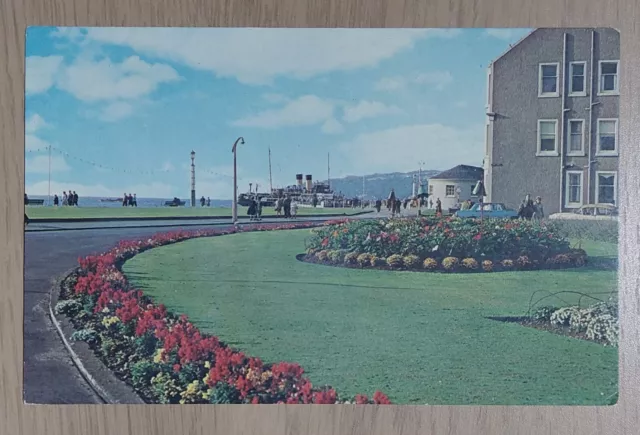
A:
[(137, 171)]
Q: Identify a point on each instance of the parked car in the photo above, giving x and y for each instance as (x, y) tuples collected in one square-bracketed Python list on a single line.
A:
[(489, 210), (590, 212)]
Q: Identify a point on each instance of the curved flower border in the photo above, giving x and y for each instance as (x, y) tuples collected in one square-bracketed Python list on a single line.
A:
[(164, 357)]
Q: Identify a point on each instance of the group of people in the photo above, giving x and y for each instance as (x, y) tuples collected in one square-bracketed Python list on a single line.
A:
[(129, 200), (286, 206), (530, 209), (204, 202), (70, 199)]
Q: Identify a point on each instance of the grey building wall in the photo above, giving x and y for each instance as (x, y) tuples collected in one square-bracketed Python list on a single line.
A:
[(512, 168)]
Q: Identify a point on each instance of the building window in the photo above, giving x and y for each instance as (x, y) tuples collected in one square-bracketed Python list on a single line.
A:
[(430, 189), (606, 187), (573, 193), (608, 77), (607, 137), (576, 137), (549, 80), (577, 78), (450, 190), (547, 137)]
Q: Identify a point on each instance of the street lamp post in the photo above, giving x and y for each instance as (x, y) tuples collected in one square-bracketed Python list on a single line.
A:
[(235, 180), (193, 179)]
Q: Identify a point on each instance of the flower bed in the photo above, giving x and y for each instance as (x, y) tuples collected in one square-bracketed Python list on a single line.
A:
[(597, 322), (163, 356), (443, 244)]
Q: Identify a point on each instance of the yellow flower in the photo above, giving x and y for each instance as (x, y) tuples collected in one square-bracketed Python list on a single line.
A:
[(108, 321), (207, 365), (266, 375), (157, 358)]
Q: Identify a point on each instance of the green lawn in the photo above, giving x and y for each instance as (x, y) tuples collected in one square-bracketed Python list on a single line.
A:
[(419, 337), (38, 212)]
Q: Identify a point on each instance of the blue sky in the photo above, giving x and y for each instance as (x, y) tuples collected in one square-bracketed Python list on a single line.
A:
[(122, 108)]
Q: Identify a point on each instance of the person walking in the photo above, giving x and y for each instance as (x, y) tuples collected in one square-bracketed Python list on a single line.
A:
[(26, 199), (294, 209), (287, 207), (208, 202), (135, 200), (279, 204), (65, 198), (438, 207), (75, 198), (391, 200), (538, 210), (56, 200), (378, 205), (259, 210), (251, 211), (202, 201), (124, 199)]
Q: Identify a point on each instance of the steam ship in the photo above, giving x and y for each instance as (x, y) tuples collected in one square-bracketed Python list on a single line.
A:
[(305, 192)]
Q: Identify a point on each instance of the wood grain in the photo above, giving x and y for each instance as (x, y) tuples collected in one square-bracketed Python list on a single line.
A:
[(17, 418)]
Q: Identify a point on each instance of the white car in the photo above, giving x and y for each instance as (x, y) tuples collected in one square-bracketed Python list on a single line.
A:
[(590, 212)]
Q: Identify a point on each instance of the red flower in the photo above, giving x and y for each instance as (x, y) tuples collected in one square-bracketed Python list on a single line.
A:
[(176, 368), (255, 400), (379, 398), (325, 241), (477, 236), (361, 399)]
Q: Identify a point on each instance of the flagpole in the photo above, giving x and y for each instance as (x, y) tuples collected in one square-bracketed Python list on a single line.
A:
[(49, 195)]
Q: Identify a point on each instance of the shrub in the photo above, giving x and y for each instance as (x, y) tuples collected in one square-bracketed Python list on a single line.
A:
[(507, 264), (377, 262), (523, 262), (543, 314), (470, 263), (562, 316), (336, 256), (487, 265), (395, 261), (165, 388), (604, 327), (87, 335), (450, 263), (322, 255), (364, 260), (562, 260), (70, 307), (411, 261), (142, 372), (351, 258), (430, 264)]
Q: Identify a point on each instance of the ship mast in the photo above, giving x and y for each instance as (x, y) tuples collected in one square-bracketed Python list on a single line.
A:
[(329, 171), (270, 179)]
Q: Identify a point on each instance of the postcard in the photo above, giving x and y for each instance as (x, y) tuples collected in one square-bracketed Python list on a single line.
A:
[(321, 216)]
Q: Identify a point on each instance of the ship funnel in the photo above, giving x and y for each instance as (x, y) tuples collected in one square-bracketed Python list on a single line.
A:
[(299, 179), (309, 183)]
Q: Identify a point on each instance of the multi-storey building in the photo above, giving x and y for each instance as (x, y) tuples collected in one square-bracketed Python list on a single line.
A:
[(552, 119)]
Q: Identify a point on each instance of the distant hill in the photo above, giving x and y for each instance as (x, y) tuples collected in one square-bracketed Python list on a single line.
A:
[(378, 185)]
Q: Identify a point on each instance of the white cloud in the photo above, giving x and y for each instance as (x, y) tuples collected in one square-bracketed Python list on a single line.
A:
[(33, 143), (505, 34), (389, 84), (398, 149), (71, 33), (90, 80), (34, 123), (304, 111), (368, 109), (257, 56), (40, 165), (41, 73), (116, 111), (438, 79), (332, 126), (275, 98)]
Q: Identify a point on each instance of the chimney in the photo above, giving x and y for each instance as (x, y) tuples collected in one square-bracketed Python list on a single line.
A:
[(299, 179), (309, 183)]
